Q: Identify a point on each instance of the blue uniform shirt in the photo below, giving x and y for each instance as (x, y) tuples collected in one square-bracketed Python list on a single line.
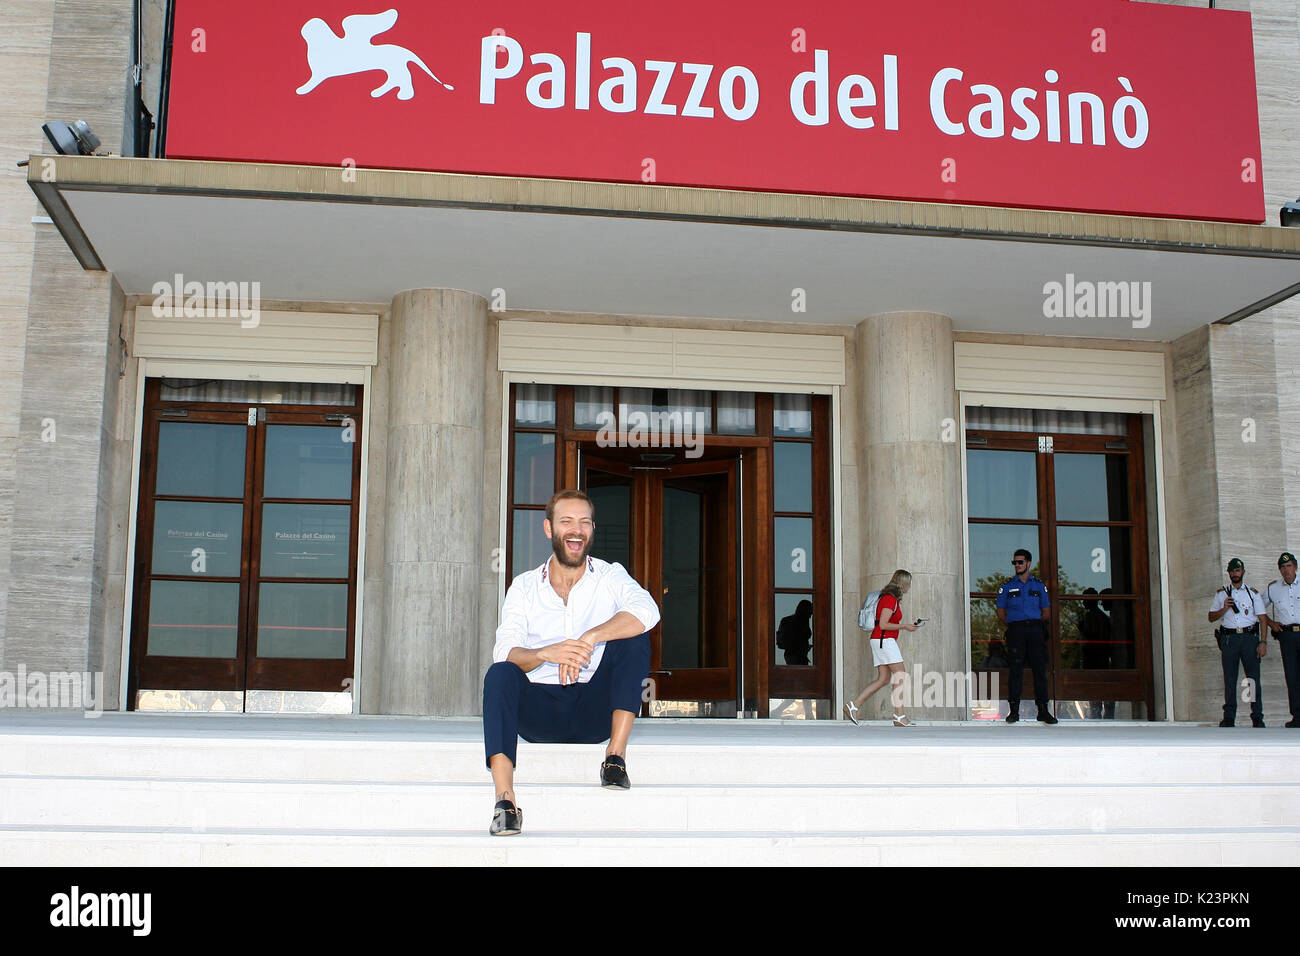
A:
[(1028, 604)]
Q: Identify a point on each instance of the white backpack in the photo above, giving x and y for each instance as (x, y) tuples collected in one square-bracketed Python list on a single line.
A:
[(867, 616)]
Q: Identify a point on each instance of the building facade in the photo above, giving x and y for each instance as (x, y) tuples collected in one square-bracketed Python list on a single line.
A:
[(276, 437)]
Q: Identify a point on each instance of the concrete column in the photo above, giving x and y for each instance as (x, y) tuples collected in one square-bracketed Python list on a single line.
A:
[(61, 582), (909, 492), (433, 543), (1192, 506)]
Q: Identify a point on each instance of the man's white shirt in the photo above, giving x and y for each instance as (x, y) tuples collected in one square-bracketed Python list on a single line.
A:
[(534, 616), (1250, 607), (1285, 599)]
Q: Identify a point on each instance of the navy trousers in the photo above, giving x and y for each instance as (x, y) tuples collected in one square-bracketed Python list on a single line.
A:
[(1239, 651), (1027, 639), (514, 707), (1289, 644)]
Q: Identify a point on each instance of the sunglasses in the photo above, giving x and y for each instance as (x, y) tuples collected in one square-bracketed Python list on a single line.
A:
[(1019, 561)]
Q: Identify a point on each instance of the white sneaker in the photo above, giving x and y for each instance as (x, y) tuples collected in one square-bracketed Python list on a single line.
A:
[(851, 712)]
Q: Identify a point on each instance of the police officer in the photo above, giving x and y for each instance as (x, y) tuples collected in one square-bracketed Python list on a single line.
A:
[(1284, 622), (1240, 641), (1023, 607)]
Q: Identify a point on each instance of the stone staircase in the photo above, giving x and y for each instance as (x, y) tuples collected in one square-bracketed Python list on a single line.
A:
[(147, 789)]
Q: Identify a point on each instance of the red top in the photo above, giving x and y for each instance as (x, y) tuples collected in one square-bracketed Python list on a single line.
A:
[(887, 602)]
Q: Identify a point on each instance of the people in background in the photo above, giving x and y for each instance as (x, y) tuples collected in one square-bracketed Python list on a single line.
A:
[(1284, 622), (794, 633), (1239, 607), (885, 652), (1023, 607)]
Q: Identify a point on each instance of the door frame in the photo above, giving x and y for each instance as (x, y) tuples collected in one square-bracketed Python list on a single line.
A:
[(246, 671), (833, 469), (1150, 412), (147, 368)]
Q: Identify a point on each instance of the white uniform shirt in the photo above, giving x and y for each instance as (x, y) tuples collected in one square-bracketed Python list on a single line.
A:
[(533, 615), (1285, 599), (1249, 606)]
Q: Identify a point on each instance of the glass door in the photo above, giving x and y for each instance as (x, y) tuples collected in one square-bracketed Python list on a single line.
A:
[(303, 569), (192, 564), (1077, 502), (246, 554), (1102, 618), (695, 656), (673, 526), (659, 491), (615, 492)]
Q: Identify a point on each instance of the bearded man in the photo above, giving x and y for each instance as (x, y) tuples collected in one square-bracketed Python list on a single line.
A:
[(572, 657)]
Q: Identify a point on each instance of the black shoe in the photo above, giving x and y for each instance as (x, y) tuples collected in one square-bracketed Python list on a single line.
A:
[(507, 819), (1293, 722), (1257, 721), (1045, 716), (613, 773), (1225, 722), (1013, 715)]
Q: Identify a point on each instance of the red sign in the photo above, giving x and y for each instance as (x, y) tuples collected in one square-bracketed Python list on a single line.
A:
[(1112, 106)]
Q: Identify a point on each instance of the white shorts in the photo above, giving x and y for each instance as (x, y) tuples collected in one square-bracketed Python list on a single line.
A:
[(889, 654)]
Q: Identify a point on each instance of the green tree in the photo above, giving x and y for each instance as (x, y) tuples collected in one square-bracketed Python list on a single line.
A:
[(987, 632)]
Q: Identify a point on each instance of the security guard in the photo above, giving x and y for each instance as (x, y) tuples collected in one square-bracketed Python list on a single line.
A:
[(1240, 641), (1284, 622), (1023, 607)]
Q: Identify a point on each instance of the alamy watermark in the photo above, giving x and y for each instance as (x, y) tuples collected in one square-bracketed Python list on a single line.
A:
[(1247, 691), (61, 690), (922, 688), (76, 908), (1085, 299), (212, 300), (657, 429)]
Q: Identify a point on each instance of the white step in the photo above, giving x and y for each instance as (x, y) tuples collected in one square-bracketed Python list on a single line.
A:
[(201, 805), (1213, 847), (148, 789), (669, 754)]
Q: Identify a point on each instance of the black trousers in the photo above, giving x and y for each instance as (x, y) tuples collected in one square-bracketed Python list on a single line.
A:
[(1239, 651), (1289, 644), (1027, 638)]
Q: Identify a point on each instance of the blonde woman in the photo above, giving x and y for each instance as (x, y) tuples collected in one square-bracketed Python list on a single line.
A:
[(885, 653)]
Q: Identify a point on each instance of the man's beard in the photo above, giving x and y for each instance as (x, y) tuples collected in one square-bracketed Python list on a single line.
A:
[(562, 555)]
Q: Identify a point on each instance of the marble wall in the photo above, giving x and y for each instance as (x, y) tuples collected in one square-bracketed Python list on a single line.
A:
[(24, 73), (1248, 458), (53, 608), (61, 588)]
